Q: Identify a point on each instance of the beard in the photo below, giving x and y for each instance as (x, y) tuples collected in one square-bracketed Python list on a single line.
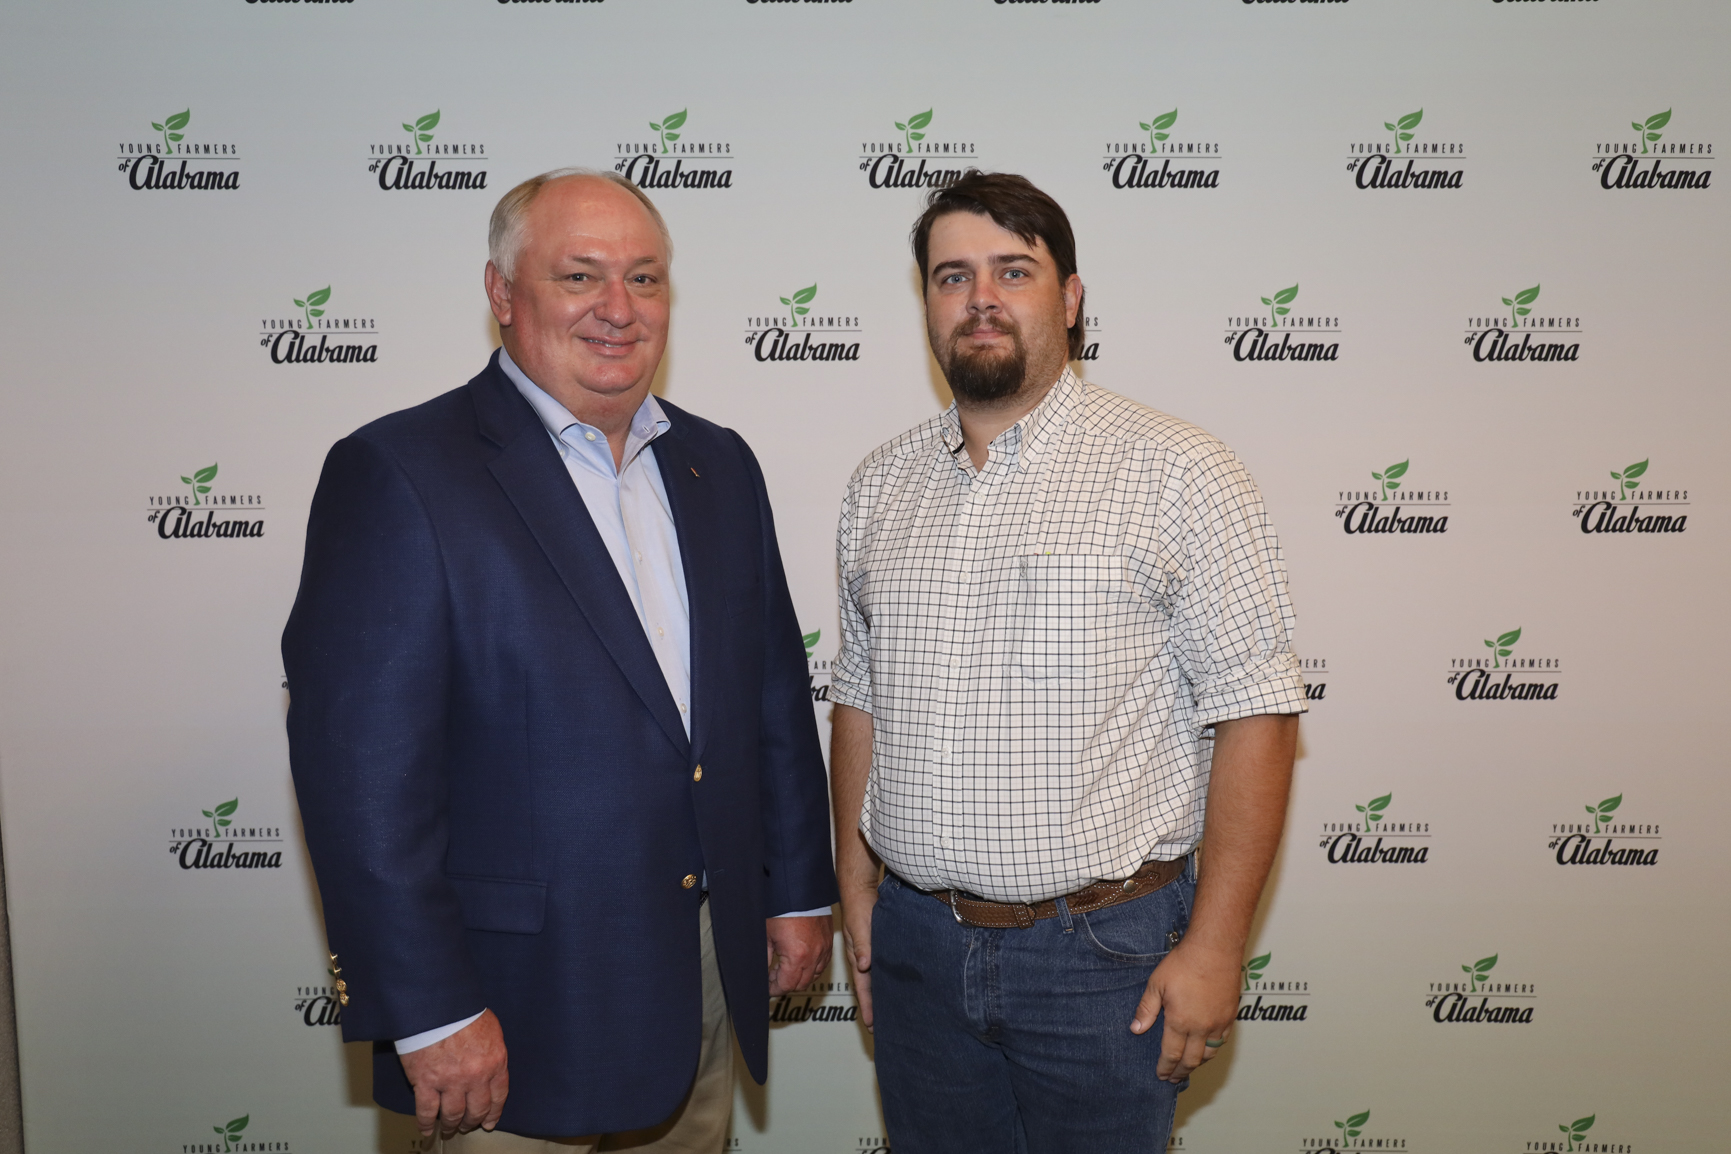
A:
[(985, 375)]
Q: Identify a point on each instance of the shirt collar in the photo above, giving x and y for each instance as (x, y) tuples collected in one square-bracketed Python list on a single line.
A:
[(649, 422), (1050, 415)]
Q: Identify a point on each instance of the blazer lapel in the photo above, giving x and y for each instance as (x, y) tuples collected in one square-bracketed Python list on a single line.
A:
[(528, 468), (697, 521)]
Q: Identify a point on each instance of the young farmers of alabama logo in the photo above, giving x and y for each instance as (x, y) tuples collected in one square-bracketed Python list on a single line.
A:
[(1265, 999), (309, 336), (414, 160), (168, 160), (1480, 997), (1653, 161), (1492, 677), (813, 1004), (1349, 1135), (194, 512), (1400, 160), (910, 159), (1388, 508), (1278, 333), (1630, 506), (670, 159), (1159, 161), (801, 332), (1397, 842), (231, 1137), (221, 844), (1577, 1137), (1605, 837), (318, 1005), (1514, 334)]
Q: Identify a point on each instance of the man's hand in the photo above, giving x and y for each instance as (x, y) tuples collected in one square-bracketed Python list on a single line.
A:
[(1199, 992), (461, 1080), (799, 949), (856, 935)]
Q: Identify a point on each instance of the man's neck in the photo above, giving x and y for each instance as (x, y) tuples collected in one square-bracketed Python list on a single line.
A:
[(610, 414), (983, 421)]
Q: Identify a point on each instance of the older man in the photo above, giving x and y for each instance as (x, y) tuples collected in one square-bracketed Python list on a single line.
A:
[(550, 729), (1049, 595)]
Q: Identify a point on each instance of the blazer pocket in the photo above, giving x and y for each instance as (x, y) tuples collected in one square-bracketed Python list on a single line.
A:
[(501, 904)]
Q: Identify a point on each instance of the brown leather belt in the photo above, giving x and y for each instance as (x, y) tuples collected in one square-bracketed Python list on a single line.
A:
[(990, 915)]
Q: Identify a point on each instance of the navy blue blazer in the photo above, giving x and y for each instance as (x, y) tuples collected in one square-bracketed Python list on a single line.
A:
[(498, 795)]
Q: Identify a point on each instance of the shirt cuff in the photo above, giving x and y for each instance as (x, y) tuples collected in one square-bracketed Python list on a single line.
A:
[(822, 913), (427, 1037)]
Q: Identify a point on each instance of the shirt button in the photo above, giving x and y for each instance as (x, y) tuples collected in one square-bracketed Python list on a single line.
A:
[(588, 436), (688, 880), (955, 663), (659, 632), (944, 842), (697, 774), (682, 707)]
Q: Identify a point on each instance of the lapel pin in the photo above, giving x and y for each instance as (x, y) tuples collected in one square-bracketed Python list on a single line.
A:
[(694, 472)]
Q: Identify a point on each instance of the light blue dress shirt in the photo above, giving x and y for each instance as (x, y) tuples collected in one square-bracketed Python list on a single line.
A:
[(630, 511)]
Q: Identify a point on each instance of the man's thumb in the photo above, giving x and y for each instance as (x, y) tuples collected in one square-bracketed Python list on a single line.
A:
[(1147, 1010)]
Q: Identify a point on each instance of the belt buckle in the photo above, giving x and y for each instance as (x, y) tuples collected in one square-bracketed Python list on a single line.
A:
[(953, 910)]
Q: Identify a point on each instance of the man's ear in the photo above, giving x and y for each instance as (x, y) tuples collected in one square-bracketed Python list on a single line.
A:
[(498, 295), (1072, 299)]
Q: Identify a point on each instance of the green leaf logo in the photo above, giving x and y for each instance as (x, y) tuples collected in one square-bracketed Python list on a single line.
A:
[(667, 124), (1576, 1128), (171, 128), (1501, 647), (1479, 969), (220, 818), (309, 307), (799, 300), (911, 129), (230, 1133), (1353, 1126), (1252, 969), (1156, 128), (200, 482), (1603, 811), (1626, 481), (1372, 810), (1403, 127), (1519, 304), (1648, 128), (421, 130), (1388, 475), (810, 640), (1278, 302)]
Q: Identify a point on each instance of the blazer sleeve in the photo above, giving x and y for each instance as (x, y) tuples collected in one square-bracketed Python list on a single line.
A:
[(799, 868), (366, 654)]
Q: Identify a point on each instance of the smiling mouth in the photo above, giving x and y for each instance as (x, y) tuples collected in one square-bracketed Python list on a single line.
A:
[(609, 346)]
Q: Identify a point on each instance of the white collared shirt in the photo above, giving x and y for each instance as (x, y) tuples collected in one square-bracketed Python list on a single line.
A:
[(1042, 642)]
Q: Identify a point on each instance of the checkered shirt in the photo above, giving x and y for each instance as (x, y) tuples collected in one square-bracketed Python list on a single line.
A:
[(1042, 643)]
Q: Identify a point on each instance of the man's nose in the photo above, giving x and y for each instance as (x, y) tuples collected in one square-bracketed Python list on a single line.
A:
[(615, 304), (983, 297)]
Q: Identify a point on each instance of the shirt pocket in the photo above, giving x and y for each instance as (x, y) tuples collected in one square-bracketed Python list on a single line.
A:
[(1069, 608)]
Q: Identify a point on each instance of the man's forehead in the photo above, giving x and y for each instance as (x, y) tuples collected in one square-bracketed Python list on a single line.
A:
[(587, 222), (975, 236)]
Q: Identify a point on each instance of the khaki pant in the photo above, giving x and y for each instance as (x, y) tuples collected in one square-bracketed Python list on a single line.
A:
[(697, 1126)]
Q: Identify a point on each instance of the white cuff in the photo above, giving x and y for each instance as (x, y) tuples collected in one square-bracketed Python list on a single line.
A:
[(427, 1037), (823, 913)]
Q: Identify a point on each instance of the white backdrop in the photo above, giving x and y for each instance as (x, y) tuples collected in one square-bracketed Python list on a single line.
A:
[(158, 1002)]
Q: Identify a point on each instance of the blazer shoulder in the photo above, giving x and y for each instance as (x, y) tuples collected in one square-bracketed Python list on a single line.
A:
[(705, 436), (445, 413)]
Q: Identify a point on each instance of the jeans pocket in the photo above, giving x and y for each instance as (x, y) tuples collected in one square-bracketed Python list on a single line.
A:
[(1141, 931)]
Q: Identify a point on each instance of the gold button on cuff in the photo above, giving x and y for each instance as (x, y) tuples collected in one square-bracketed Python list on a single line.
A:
[(697, 774), (688, 880)]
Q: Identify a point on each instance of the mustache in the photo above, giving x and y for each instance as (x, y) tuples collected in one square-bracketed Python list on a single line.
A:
[(974, 324)]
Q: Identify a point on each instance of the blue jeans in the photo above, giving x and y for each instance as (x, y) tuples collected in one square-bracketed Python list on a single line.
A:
[(1018, 1041)]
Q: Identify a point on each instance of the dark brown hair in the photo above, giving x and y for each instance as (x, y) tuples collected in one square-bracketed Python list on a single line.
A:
[(1014, 205)]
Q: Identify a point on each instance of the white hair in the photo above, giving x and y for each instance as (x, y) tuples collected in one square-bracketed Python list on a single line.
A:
[(505, 230)]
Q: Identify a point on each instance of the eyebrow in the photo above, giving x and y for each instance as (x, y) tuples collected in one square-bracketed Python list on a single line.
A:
[(596, 262), (996, 261)]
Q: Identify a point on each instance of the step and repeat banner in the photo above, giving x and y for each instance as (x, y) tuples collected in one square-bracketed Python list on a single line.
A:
[(1450, 277)]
